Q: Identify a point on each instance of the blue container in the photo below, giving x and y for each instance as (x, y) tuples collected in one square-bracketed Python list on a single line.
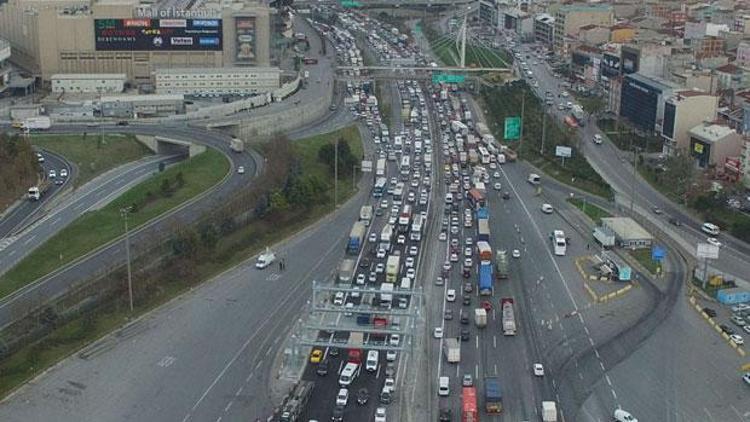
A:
[(733, 295)]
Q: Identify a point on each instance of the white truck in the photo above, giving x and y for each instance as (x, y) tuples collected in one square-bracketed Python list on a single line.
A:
[(34, 193), (480, 317), (236, 145), (549, 411), (36, 123), (452, 350), (509, 319), (365, 214), (265, 259)]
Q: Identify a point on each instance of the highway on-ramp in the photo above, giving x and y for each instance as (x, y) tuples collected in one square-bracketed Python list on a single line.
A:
[(112, 254)]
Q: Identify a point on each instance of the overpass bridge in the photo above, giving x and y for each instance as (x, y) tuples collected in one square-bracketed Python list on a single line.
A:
[(375, 4)]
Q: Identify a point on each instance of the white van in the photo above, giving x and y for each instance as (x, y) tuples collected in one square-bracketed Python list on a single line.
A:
[(448, 198), (534, 179), (348, 374), (373, 357), (710, 228), (444, 386)]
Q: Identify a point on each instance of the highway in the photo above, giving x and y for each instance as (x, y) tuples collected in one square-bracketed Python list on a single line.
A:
[(24, 212), (112, 253)]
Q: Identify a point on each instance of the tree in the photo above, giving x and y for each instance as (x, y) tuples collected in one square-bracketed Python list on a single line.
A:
[(680, 172), (278, 202), (741, 229), (346, 160)]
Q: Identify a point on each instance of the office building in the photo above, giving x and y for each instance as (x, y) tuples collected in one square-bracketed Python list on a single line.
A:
[(214, 82), (125, 36), (544, 29), (711, 144), (642, 101), (4, 67), (134, 106), (682, 112)]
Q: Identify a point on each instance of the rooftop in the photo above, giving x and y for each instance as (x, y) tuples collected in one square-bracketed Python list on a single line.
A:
[(711, 132), (585, 8), (214, 70), (691, 93), (728, 68), (89, 76), (626, 228), (656, 83)]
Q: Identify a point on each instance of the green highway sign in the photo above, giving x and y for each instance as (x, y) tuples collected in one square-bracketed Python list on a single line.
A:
[(349, 3), (417, 29), (449, 79), (512, 128)]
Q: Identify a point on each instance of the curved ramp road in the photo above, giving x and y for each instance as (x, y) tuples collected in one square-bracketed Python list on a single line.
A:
[(112, 254), (26, 211)]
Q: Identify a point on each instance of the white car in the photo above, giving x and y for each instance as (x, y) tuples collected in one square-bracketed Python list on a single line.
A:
[(538, 370), (547, 208), (409, 262), (437, 332), (497, 186), (496, 175), (468, 263), (516, 253), (342, 398), (454, 257), (450, 295), (390, 355), (380, 253), (52, 174), (361, 278), (443, 236), (373, 237), (380, 414), (598, 139), (467, 252), (413, 251), (401, 239), (623, 416), (737, 339), (380, 268), (394, 340), (240, 170), (64, 173), (265, 259), (714, 241), (373, 277), (411, 273), (338, 299)]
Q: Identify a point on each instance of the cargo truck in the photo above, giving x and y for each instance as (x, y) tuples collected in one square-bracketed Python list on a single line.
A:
[(483, 230), (295, 404), (365, 214), (501, 263), (36, 123), (485, 251), (509, 319), (549, 411), (391, 268), (485, 279), (34, 193), (236, 145), (356, 238), (386, 234), (480, 317), (493, 397), (346, 271), (386, 295), (452, 350)]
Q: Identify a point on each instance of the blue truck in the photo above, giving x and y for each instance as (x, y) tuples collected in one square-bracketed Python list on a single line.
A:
[(356, 238), (485, 279)]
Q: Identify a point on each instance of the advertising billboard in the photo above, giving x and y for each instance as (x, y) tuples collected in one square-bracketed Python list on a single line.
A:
[(143, 34), (246, 42)]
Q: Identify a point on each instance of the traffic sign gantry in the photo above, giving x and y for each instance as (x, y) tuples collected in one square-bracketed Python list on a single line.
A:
[(512, 128), (449, 79), (349, 3)]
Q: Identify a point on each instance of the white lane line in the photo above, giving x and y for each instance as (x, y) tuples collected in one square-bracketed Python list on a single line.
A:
[(218, 419), (477, 341), (249, 376), (228, 406), (591, 341), (185, 419), (609, 381), (614, 394), (596, 352), (494, 342), (239, 391), (33, 236), (55, 221), (602, 365), (580, 375), (11, 253)]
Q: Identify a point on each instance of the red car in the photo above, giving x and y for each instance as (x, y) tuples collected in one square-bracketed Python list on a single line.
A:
[(486, 305)]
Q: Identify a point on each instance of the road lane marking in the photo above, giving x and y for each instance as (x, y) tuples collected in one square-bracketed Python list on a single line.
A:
[(494, 341), (239, 390), (609, 381), (249, 376), (33, 236), (602, 365), (228, 406)]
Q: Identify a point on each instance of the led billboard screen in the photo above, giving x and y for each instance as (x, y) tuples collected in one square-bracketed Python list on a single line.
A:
[(142, 34)]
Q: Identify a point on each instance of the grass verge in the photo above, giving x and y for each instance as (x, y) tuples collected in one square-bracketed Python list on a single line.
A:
[(643, 256), (384, 102), (625, 139), (93, 154), (67, 338), (149, 199), (594, 212)]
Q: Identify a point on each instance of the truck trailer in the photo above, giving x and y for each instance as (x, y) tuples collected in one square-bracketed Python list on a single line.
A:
[(356, 238), (452, 350), (509, 318)]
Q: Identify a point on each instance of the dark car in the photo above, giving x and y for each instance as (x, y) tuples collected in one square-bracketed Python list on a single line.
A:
[(506, 195), (364, 263), (468, 287), (675, 222), (385, 396), (322, 368), (338, 414), (464, 319), (445, 415), (122, 123), (333, 351), (710, 312), (726, 329), (467, 300), (363, 396), (465, 335)]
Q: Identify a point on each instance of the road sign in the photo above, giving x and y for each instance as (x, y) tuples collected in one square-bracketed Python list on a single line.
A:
[(512, 128), (565, 152), (366, 166), (658, 253), (417, 29), (707, 251), (449, 79)]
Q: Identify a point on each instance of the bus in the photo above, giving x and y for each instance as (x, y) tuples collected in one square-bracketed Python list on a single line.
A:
[(404, 219), (476, 198), (416, 228), (484, 155), (380, 168), (469, 412), (380, 187), (405, 165), (559, 243)]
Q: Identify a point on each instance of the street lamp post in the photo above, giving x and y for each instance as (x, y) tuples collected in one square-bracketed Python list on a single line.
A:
[(124, 213)]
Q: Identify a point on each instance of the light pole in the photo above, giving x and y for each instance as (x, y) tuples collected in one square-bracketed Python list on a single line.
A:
[(124, 213), (336, 174), (544, 126)]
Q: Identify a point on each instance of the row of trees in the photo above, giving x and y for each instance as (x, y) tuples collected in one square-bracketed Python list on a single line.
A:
[(18, 168)]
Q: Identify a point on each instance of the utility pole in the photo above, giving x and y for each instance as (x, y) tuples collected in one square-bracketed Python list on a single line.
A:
[(635, 165), (520, 134), (336, 174), (544, 127), (124, 213)]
